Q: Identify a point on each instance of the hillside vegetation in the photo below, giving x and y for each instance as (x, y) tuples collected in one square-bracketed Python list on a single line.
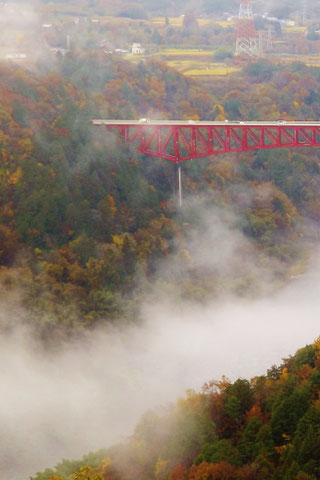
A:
[(263, 429), (86, 220)]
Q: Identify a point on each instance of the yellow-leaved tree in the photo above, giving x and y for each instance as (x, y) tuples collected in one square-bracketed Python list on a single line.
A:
[(86, 473)]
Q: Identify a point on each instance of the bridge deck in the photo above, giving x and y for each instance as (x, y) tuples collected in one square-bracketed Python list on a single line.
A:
[(188, 123)]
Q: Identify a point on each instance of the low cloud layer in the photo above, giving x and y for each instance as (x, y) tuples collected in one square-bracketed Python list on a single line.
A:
[(89, 394)]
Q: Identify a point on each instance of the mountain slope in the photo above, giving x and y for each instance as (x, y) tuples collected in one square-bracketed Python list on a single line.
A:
[(265, 428)]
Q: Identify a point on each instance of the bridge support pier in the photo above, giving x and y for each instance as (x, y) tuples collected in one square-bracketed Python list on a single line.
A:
[(177, 184)]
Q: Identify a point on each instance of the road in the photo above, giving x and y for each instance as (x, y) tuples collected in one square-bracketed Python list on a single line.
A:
[(189, 123)]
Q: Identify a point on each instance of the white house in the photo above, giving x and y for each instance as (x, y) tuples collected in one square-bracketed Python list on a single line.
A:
[(136, 49)]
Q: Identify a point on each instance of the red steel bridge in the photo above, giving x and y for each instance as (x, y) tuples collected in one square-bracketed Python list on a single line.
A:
[(177, 140), (182, 140)]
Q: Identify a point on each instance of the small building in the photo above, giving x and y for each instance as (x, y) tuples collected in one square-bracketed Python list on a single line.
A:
[(288, 23), (136, 49)]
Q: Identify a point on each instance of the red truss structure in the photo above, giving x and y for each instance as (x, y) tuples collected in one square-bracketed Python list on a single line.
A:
[(178, 141)]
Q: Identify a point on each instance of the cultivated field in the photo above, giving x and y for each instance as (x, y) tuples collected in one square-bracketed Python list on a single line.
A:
[(202, 22), (195, 62)]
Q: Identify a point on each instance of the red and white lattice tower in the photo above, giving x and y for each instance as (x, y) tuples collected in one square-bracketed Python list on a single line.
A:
[(247, 43)]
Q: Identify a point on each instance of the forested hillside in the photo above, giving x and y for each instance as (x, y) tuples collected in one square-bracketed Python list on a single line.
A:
[(85, 220), (95, 255), (263, 429)]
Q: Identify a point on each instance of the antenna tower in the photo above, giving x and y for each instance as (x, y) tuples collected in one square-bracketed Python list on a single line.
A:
[(247, 43), (304, 12)]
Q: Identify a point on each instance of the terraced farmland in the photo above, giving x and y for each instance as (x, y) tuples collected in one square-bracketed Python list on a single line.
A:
[(195, 62)]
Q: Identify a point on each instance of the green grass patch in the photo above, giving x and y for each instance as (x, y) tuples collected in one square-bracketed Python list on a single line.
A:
[(226, 24), (202, 22), (309, 60), (176, 52), (295, 29), (218, 70), (181, 63), (190, 62), (174, 21), (133, 58), (185, 65)]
